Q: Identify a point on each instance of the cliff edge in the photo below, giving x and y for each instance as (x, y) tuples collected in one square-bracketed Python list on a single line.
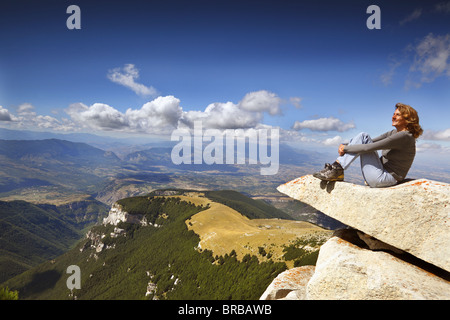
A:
[(397, 247)]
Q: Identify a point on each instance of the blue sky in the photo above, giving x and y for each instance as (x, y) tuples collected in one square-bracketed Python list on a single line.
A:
[(311, 68)]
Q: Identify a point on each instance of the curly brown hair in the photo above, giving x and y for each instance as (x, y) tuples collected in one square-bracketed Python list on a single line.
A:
[(411, 117)]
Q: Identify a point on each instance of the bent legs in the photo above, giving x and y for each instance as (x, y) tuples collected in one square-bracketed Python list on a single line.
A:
[(371, 167)]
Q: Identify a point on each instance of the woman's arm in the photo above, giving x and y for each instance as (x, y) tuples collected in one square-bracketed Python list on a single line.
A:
[(393, 141), (383, 136)]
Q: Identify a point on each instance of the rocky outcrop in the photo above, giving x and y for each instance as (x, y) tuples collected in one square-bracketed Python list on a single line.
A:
[(397, 247), (348, 271), (413, 216), (117, 215), (289, 285)]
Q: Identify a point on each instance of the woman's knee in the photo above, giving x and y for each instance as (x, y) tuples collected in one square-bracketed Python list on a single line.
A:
[(362, 138), (364, 135)]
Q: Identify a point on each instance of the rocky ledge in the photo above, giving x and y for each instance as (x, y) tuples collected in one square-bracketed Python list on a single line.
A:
[(397, 245)]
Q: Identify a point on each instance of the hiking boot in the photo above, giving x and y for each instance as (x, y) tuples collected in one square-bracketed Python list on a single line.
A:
[(331, 172)]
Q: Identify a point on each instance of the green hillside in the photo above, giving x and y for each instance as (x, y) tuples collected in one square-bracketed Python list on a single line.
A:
[(253, 209), (31, 234), (163, 259)]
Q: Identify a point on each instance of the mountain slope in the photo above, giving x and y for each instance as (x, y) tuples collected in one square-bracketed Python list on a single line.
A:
[(152, 255), (222, 230), (31, 234), (253, 209)]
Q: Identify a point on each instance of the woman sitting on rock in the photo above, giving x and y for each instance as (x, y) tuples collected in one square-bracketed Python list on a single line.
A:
[(399, 150)]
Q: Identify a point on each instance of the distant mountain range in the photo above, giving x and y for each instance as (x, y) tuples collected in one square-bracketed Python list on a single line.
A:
[(80, 166), (30, 163), (53, 190), (54, 150), (8, 134)]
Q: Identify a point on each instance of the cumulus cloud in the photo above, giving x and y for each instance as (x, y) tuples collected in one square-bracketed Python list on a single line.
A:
[(247, 113), (127, 77), (4, 114), (261, 101), (161, 113), (223, 116), (98, 116), (165, 113), (158, 116), (323, 124)]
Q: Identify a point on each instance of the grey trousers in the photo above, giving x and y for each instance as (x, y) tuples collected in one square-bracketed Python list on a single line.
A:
[(372, 169)]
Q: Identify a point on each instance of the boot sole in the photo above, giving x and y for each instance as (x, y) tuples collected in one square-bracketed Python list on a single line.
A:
[(340, 178)]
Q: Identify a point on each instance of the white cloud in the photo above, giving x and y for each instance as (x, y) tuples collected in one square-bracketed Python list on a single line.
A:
[(311, 139), (432, 149), (247, 113), (223, 116), (158, 116), (431, 59), (98, 116), (323, 124), (296, 102), (48, 122), (335, 141), (27, 118), (425, 61), (26, 110), (164, 114), (4, 114), (127, 77), (412, 16), (261, 101)]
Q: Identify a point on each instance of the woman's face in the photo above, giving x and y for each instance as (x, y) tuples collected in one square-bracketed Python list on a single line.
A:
[(398, 121)]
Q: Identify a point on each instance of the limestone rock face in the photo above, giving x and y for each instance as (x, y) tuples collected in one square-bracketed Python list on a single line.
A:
[(290, 284), (397, 246), (413, 216), (117, 215), (346, 271)]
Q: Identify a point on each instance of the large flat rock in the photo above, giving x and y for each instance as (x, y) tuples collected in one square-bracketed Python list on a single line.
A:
[(345, 271), (412, 216)]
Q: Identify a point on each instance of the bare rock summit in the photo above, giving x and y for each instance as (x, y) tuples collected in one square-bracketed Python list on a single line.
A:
[(397, 246)]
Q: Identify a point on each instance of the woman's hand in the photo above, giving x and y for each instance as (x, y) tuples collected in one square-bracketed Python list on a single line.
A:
[(341, 150)]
